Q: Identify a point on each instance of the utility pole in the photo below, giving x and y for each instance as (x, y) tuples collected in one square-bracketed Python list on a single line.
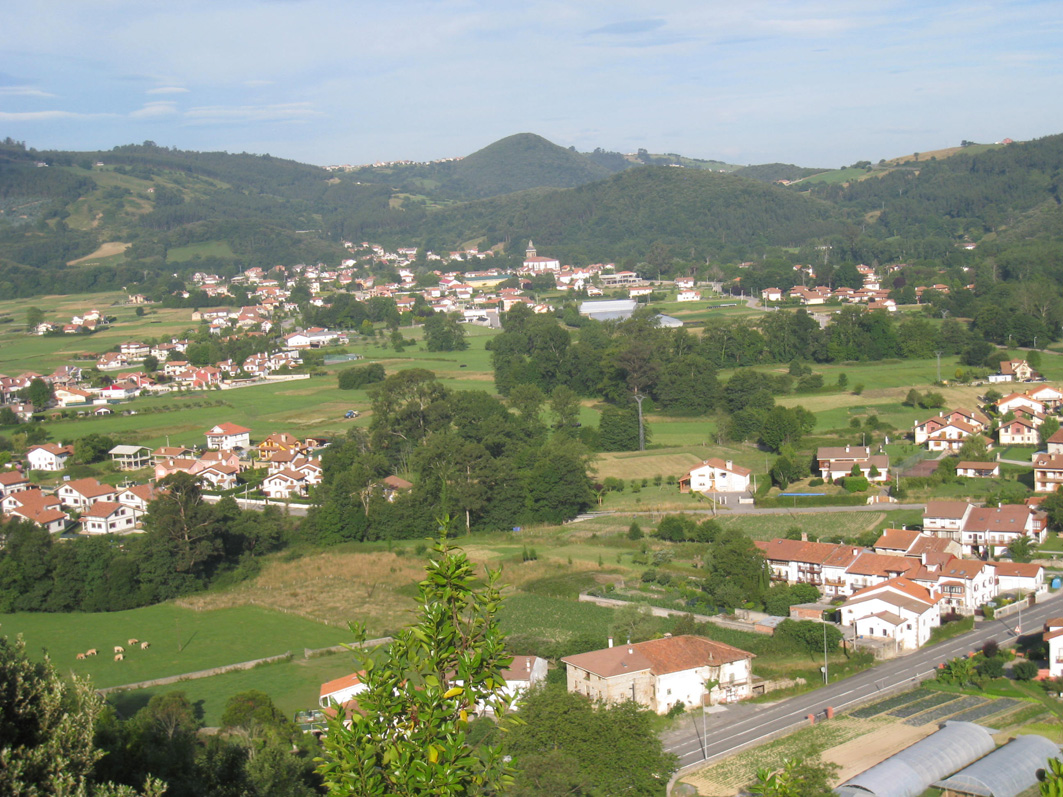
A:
[(938, 353), (824, 654)]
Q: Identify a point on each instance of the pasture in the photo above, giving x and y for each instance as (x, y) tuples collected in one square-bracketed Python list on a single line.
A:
[(182, 640)]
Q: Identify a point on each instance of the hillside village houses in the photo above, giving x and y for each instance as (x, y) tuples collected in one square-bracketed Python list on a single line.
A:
[(660, 673)]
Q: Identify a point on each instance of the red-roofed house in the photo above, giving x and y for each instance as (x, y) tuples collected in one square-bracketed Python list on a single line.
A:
[(81, 494), (715, 476), (340, 690), (36, 507), (662, 672), (897, 609), (228, 435), (108, 517), (11, 481), (1054, 637), (1017, 576), (48, 456)]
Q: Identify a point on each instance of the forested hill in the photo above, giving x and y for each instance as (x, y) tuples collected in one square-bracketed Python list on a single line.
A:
[(628, 214), (964, 195), (514, 163), (770, 172)]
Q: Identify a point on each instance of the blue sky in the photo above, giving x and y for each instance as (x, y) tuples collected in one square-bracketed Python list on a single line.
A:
[(814, 83)]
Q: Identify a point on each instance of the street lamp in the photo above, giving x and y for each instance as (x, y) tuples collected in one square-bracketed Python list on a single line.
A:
[(825, 654)]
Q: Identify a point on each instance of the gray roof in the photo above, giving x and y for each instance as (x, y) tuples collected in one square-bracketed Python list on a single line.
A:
[(608, 310), (1006, 771), (127, 450), (911, 771)]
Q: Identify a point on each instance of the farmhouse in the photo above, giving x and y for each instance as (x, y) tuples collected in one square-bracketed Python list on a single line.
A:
[(838, 462), (1018, 432), (108, 517), (36, 507), (228, 435), (12, 481), (896, 609), (662, 672), (340, 690), (1048, 468), (978, 470), (983, 531), (1014, 371), (48, 456), (81, 494), (715, 476)]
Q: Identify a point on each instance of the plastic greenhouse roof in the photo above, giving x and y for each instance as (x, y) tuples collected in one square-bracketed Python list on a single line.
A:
[(912, 771), (1006, 771)]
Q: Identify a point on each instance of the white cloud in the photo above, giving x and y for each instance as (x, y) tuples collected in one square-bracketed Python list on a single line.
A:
[(22, 91), (40, 116), (155, 110), (283, 112), (168, 90)]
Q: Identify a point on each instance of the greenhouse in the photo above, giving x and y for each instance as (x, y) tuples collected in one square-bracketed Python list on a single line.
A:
[(913, 770), (1005, 772)]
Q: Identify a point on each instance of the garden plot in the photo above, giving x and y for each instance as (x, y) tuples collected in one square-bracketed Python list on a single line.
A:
[(946, 710), (919, 706), (889, 703), (988, 710)]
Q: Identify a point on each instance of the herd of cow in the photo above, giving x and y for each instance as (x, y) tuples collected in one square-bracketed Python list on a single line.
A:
[(119, 650)]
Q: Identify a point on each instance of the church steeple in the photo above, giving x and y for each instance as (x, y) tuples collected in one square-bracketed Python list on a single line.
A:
[(529, 253)]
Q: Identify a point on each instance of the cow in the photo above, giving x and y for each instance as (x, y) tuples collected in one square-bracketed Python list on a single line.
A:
[(145, 645), (80, 656), (90, 652), (119, 649), (132, 642), (118, 657)]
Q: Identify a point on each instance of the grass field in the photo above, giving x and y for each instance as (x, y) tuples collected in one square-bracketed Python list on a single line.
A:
[(182, 640)]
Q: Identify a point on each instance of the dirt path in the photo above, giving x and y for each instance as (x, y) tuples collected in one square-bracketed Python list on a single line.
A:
[(873, 748), (106, 250)]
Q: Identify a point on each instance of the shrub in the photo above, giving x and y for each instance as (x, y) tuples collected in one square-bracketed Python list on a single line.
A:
[(992, 668), (1024, 670), (855, 484), (676, 710), (816, 482), (990, 649)]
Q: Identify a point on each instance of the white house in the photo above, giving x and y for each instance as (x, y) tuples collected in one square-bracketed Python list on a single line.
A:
[(228, 435), (1048, 468), (1018, 432), (48, 456), (340, 690), (12, 481), (81, 494), (1054, 637), (1017, 576), (35, 506), (984, 531), (284, 484), (108, 517), (837, 462), (978, 470), (896, 609), (660, 673), (524, 673), (716, 476)]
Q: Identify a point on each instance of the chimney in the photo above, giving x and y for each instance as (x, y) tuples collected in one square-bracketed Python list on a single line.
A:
[(610, 641), (846, 449), (804, 536), (631, 650), (729, 464)]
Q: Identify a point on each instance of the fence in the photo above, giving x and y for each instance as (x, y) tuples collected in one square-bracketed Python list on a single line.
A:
[(243, 665)]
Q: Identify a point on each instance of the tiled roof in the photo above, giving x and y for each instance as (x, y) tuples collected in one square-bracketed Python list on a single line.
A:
[(660, 656)]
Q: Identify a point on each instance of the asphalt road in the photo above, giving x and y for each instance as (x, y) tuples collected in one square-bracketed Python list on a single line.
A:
[(729, 731)]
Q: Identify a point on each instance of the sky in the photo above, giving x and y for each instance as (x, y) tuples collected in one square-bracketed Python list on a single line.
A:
[(325, 82)]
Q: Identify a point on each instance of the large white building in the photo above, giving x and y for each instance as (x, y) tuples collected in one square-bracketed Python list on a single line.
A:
[(716, 476)]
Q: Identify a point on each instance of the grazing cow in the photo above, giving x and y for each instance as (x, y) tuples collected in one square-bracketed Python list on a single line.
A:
[(119, 649), (132, 642), (145, 645), (90, 652), (80, 656), (118, 657)]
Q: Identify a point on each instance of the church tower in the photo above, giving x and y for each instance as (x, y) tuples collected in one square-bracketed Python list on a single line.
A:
[(529, 253)]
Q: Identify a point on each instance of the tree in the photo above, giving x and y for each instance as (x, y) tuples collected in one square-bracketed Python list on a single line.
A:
[(1051, 778), (975, 449), (34, 317), (1048, 427), (410, 736), (151, 363), (38, 393), (619, 429), (47, 727), (808, 776), (443, 332), (1024, 670), (566, 745), (1021, 550), (360, 376)]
